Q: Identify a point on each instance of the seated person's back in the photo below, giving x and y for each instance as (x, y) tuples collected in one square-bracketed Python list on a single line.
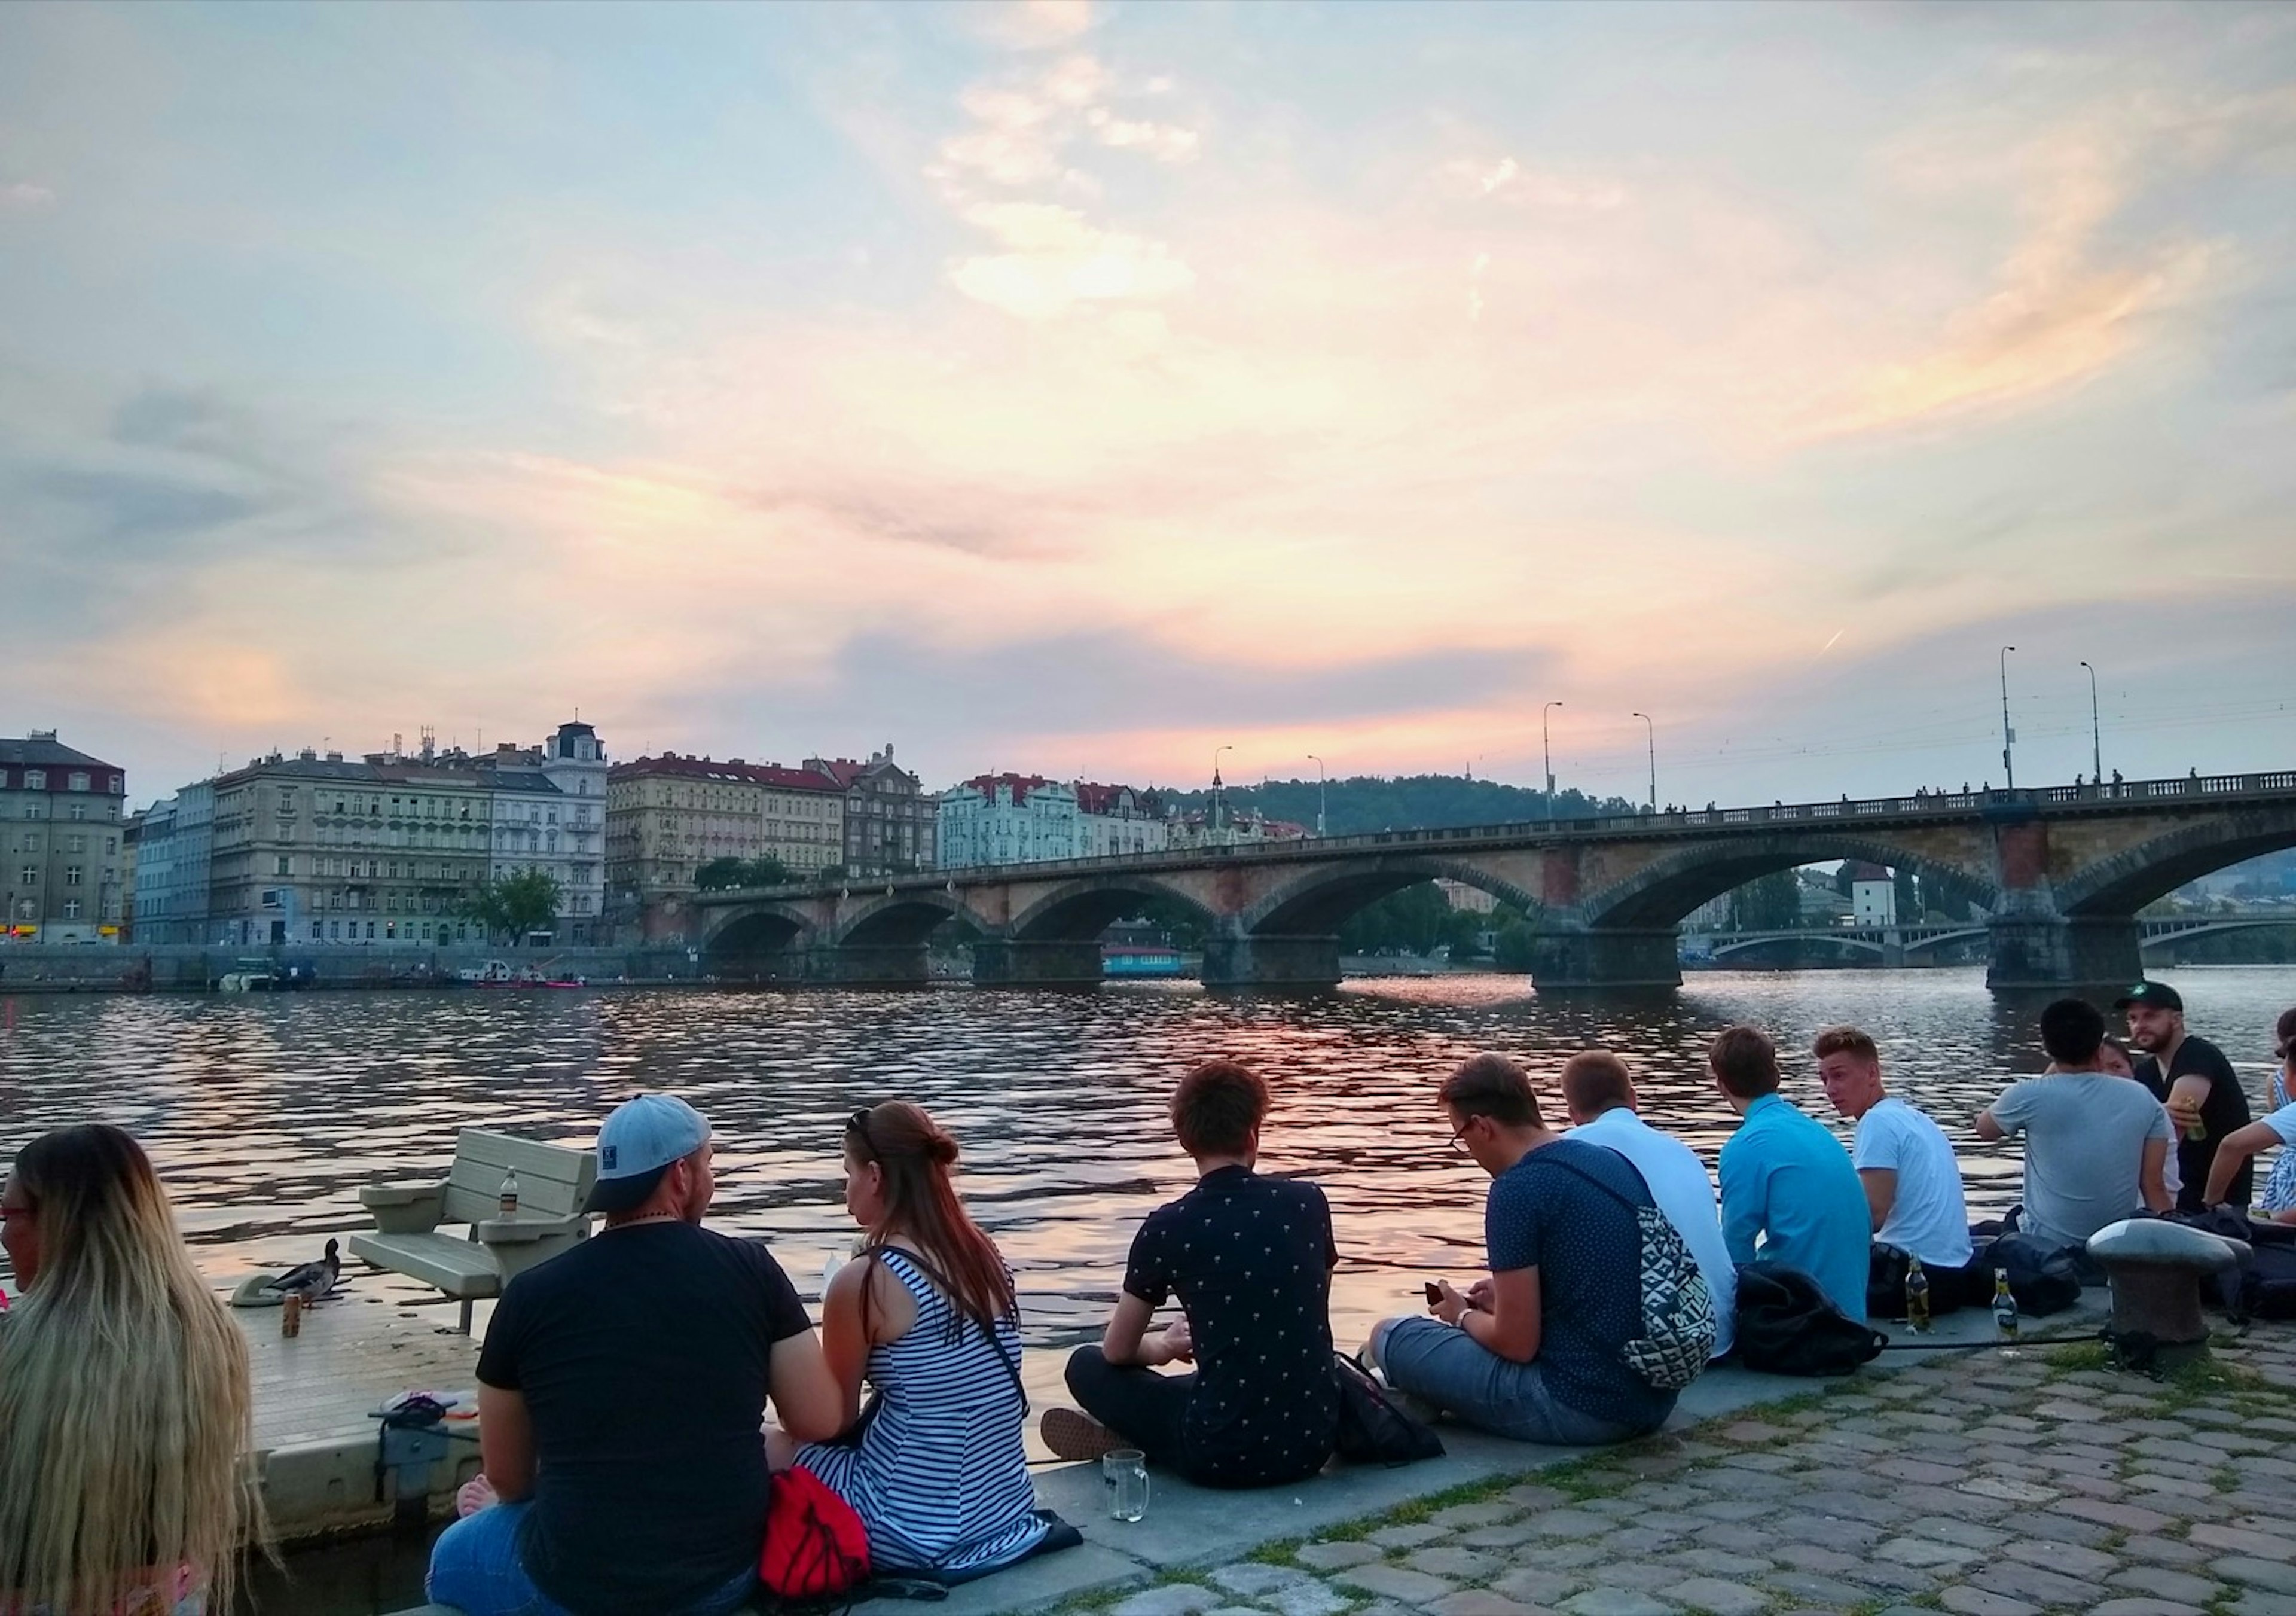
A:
[(644, 1355), (1250, 1259), (621, 1390), (1786, 1180), (1569, 1211), (2094, 1143)]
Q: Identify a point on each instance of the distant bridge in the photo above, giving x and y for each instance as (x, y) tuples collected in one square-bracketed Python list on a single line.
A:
[(1893, 944), (2061, 872)]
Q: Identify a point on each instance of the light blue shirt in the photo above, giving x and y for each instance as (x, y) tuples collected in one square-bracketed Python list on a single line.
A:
[(1787, 1180)]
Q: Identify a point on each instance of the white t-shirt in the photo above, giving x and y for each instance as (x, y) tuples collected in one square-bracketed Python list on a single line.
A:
[(1678, 1183), (1929, 1217)]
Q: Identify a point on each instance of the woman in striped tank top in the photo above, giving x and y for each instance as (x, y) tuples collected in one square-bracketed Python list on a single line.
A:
[(938, 1472)]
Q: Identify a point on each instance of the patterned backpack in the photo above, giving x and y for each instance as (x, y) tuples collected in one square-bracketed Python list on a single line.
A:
[(1678, 1330)]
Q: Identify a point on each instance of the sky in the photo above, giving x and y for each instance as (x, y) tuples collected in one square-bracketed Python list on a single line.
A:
[(1080, 389)]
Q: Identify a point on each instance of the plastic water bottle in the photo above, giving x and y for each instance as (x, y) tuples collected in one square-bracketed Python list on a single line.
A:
[(510, 1193), (2004, 1306), (1917, 1296)]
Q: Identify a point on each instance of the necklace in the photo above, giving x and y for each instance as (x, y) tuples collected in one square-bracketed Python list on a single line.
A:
[(642, 1217)]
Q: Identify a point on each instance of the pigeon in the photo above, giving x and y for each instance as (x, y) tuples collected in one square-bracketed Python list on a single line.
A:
[(312, 1280)]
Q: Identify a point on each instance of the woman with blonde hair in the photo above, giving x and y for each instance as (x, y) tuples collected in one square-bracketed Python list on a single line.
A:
[(126, 1415), (938, 1472)]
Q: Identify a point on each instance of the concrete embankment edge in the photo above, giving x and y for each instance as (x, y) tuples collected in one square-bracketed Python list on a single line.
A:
[(1188, 1528)]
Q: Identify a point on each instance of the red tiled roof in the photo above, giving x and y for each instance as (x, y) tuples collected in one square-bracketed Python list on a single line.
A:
[(709, 768), (1096, 798), (1020, 785)]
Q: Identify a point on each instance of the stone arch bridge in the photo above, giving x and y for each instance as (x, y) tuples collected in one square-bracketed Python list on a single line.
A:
[(2060, 873)]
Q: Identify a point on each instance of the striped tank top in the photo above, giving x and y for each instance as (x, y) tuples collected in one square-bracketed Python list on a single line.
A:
[(941, 1476)]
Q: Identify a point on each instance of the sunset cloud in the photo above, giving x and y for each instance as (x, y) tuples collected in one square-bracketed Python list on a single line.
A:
[(1078, 389)]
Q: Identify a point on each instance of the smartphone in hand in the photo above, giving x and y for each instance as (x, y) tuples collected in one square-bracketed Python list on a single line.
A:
[(1434, 1293)]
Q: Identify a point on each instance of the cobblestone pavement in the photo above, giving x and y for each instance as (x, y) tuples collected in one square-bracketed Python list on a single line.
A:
[(1980, 1484)]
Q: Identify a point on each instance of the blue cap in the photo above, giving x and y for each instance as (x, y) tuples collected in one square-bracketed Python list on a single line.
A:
[(639, 1142)]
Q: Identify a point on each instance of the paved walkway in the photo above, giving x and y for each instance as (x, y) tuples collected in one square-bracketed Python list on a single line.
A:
[(1978, 1484)]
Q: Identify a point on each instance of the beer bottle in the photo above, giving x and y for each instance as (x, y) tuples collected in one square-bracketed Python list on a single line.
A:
[(2004, 1306), (1917, 1296), (510, 1193)]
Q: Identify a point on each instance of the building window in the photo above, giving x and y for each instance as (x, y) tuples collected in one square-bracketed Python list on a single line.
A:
[(117, 785), (36, 780), (284, 865), (79, 810), (28, 877), (78, 781), (71, 876), (317, 928), (71, 908)]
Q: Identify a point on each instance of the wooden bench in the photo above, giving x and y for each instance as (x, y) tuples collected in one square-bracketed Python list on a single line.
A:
[(553, 1183)]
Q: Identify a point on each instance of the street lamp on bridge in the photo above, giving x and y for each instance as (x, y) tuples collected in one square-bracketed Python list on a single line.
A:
[(2096, 729), (2008, 736), (1318, 762), (1651, 735), (1546, 757)]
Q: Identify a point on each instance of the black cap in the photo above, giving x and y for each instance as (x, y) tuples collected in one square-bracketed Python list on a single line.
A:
[(2152, 993)]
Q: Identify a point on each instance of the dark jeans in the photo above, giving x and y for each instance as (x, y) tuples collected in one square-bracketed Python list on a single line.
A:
[(1950, 1289), (1147, 1410)]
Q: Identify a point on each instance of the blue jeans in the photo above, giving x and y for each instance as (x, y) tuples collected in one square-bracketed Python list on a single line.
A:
[(474, 1567), (1457, 1373)]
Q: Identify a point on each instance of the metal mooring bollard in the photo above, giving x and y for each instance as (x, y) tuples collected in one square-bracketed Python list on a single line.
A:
[(2155, 1269)]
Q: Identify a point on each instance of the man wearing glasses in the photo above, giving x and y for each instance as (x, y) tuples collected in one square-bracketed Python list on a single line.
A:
[(1537, 1352)]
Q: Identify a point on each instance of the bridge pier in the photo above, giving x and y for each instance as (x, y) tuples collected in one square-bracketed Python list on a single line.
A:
[(871, 965), (2054, 951), (1012, 962), (1641, 957), (1287, 963)]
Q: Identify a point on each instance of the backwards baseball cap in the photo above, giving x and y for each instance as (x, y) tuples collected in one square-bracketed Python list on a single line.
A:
[(2159, 995), (638, 1142)]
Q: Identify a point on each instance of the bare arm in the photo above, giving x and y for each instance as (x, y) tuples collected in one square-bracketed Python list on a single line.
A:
[(1512, 1327), (804, 1395), (2234, 1152), (844, 1342), (1128, 1341), (1988, 1129), (2184, 1102), (505, 1441), (1880, 1192), (2150, 1182)]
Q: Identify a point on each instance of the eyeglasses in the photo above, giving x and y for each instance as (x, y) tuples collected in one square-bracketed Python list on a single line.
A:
[(1459, 1136), (858, 1123)]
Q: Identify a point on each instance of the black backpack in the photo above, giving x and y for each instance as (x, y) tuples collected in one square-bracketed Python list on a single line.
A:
[(1786, 1325), (2264, 1285), (2044, 1280), (1372, 1429)]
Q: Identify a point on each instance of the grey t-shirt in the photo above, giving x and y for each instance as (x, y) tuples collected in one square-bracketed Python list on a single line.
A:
[(2085, 1136)]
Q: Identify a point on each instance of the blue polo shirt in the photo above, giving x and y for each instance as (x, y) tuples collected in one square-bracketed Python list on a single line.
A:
[(1788, 1180)]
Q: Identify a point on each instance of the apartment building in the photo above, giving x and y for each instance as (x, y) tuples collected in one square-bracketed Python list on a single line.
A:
[(891, 822), (669, 816), (60, 814)]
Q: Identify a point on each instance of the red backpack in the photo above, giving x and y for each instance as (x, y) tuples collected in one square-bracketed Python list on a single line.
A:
[(816, 1544)]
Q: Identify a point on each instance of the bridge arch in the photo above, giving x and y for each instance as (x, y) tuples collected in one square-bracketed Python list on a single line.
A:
[(2126, 881), (1324, 899), (1853, 944), (899, 919), (1662, 892), (1080, 910), (759, 927)]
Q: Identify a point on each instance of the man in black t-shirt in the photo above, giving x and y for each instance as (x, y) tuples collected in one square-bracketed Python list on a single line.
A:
[(1250, 1259), (2191, 1077), (620, 1389)]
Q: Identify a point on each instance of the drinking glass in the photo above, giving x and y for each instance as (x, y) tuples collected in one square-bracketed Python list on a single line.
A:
[(1125, 1474)]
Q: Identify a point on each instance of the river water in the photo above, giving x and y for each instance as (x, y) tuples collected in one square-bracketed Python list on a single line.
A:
[(265, 1113)]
